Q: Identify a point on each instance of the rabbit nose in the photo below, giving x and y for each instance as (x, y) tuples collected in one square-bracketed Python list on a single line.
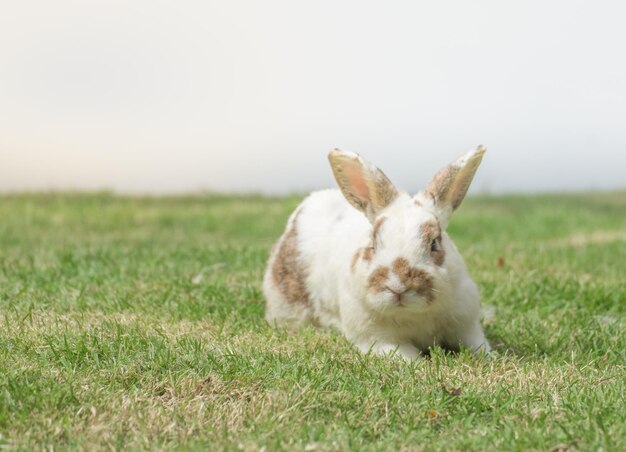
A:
[(397, 292)]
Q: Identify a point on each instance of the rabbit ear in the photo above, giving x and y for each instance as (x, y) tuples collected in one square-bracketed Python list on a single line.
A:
[(363, 185), (449, 186)]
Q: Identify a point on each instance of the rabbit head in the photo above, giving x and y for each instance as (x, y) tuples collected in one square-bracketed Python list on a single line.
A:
[(403, 265)]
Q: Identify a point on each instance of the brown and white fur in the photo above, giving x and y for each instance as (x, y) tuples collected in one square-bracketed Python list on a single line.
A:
[(380, 267)]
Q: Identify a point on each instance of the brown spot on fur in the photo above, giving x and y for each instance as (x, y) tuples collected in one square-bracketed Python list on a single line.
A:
[(432, 231), (377, 225), (287, 271), (417, 202), (401, 267), (378, 279), (368, 253), (414, 278), (355, 258)]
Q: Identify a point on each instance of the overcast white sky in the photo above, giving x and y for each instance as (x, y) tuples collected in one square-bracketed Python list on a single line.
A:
[(154, 96)]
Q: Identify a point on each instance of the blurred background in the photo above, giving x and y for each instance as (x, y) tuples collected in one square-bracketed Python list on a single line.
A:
[(155, 97)]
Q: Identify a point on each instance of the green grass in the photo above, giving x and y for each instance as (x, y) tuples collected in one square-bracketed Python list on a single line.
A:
[(138, 323)]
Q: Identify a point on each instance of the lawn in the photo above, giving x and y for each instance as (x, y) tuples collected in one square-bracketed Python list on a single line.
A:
[(138, 323)]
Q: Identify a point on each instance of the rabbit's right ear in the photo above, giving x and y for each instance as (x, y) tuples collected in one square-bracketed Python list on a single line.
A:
[(449, 186), (363, 185)]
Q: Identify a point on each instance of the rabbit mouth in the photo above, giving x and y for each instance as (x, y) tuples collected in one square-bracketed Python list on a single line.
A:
[(405, 298), (397, 297), (409, 298)]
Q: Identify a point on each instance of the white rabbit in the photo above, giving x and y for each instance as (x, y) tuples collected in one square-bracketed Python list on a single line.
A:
[(379, 268)]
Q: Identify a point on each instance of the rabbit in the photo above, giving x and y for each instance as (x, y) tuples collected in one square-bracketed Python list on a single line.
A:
[(376, 264)]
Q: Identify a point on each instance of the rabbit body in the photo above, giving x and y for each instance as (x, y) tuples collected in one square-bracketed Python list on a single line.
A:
[(385, 274)]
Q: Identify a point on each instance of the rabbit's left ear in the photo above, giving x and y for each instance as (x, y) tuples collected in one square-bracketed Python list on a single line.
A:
[(449, 186), (362, 184)]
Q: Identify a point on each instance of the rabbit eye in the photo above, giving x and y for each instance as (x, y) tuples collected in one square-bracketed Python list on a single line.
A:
[(434, 246)]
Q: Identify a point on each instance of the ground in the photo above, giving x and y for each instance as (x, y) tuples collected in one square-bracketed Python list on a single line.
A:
[(138, 323)]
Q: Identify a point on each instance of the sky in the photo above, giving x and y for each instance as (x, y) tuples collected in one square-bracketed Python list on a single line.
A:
[(157, 97)]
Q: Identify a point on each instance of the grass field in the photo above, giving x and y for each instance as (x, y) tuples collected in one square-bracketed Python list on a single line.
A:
[(138, 323)]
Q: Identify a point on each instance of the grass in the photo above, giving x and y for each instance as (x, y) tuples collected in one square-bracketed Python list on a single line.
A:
[(138, 323)]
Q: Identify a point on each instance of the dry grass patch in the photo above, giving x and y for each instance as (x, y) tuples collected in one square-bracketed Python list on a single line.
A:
[(589, 238)]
